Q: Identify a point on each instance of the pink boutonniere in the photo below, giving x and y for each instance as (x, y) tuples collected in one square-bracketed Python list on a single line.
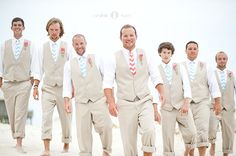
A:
[(175, 68), (26, 44), (201, 65), (140, 56), (230, 74), (90, 62), (62, 51)]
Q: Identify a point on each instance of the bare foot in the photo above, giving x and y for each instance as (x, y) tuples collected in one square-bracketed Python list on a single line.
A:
[(20, 149), (212, 151), (65, 148), (106, 154), (45, 153)]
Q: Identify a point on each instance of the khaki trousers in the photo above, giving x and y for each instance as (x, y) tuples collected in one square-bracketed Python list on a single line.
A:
[(16, 96), (227, 127), (186, 126), (51, 97), (201, 117), (96, 114), (134, 115)]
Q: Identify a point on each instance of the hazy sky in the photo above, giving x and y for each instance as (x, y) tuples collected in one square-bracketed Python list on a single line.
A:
[(212, 23)]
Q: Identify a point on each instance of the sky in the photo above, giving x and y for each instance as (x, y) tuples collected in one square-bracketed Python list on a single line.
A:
[(211, 23)]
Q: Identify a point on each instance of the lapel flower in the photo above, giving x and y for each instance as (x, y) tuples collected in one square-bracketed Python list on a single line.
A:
[(62, 51), (230, 74), (26, 44), (140, 56), (175, 68), (201, 65), (90, 61)]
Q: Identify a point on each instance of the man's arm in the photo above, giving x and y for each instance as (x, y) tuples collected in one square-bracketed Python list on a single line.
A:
[(159, 87), (111, 102)]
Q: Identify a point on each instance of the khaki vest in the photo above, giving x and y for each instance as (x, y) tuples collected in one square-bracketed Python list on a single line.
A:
[(131, 86), (53, 71), (16, 70), (173, 93), (88, 87), (227, 94), (199, 86)]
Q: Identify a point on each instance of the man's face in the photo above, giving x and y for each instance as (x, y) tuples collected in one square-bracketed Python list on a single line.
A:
[(79, 45), (192, 51), (54, 31), (128, 38), (221, 60), (17, 28), (166, 55)]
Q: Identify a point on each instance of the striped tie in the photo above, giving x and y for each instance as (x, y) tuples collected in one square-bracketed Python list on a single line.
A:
[(132, 63), (222, 80), (82, 65), (17, 49), (191, 70), (168, 73), (54, 51)]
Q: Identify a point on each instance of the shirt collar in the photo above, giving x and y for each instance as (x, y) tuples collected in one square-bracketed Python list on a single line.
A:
[(58, 42), (169, 64), (20, 39), (127, 51), (85, 55)]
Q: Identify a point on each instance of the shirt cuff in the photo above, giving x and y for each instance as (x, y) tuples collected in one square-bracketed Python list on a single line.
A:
[(67, 94)]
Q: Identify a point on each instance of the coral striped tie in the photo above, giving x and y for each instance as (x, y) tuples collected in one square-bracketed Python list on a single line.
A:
[(132, 63)]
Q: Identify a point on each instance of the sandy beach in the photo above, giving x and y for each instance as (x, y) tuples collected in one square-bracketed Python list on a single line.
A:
[(33, 144)]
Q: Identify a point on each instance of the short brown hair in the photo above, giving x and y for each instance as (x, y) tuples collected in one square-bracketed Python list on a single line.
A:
[(53, 21), (166, 45), (220, 52), (128, 26), (190, 43)]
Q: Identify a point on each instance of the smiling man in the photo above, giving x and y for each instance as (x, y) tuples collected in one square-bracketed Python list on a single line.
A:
[(131, 68), (16, 72)]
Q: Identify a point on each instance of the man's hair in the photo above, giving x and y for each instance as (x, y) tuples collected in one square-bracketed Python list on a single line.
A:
[(128, 26), (16, 19), (190, 43), (166, 45), (53, 21)]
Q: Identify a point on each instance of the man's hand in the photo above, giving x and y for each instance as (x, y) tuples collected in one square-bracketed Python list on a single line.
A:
[(113, 109), (185, 107), (217, 106), (67, 105), (36, 93)]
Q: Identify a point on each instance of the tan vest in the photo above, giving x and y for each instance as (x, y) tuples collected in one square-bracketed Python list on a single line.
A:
[(88, 87), (199, 86), (131, 86), (227, 94), (174, 93), (16, 70), (53, 71)]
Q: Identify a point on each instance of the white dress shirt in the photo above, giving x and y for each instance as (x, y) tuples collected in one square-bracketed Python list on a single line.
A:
[(225, 73), (211, 79), (33, 55), (39, 62), (67, 80), (110, 68)]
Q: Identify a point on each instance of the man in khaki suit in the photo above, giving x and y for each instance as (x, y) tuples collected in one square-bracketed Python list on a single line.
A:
[(176, 107), (203, 83), (16, 79), (131, 68), (227, 84), (52, 57), (84, 71)]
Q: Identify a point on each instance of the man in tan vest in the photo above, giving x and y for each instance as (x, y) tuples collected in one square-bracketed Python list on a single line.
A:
[(131, 68), (52, 57), (16, 78), (227, 83), (176, 107), (85, 71), (203, 83)]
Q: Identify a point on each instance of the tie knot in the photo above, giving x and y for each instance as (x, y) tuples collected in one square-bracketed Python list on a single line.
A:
[(17, 41)]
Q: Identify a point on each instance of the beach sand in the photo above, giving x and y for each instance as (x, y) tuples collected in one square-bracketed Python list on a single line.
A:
[(34, 145)]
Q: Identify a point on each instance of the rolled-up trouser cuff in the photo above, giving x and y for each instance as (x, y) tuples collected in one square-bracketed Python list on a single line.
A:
[(190, 146), (148, 149), (212, 141), (66, 140), (18, 135), (202, 144), (107, 150), (227, 151), (168, 153)]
